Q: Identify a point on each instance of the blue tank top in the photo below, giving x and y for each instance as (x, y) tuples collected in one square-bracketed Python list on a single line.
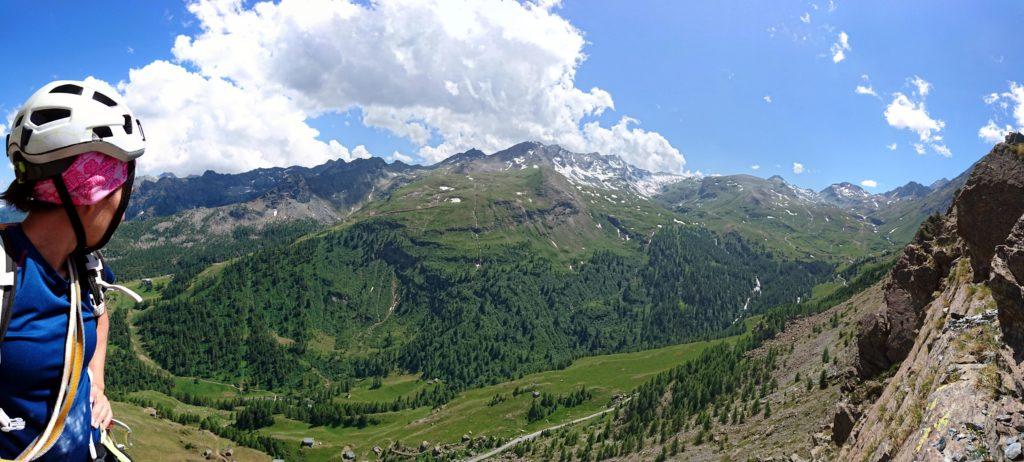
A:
[(32, 357)]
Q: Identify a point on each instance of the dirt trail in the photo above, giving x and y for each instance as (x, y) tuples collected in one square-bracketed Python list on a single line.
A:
[(530, 436)]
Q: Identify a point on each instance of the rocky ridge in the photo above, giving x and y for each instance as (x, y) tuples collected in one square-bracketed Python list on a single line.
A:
[(947, 343)]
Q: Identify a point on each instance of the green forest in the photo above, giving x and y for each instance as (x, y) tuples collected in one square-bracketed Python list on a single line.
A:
[(369, 300)]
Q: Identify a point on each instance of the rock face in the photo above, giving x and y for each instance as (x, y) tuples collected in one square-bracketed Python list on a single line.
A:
[(887, 335), (845, 417), (953, 323), (991, 201), (1006, 282)]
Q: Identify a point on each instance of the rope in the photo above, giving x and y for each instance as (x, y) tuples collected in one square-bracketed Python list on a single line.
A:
[(74, 359)]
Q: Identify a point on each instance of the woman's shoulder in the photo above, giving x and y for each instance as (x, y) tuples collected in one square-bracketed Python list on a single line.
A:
[(14, 241)]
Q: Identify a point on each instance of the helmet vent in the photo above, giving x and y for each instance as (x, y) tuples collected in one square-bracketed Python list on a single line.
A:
[(104, 99), (68, 88), (25, 135), (45, 116), (141, 131), (17, 122), (128, 124), (103, 132)]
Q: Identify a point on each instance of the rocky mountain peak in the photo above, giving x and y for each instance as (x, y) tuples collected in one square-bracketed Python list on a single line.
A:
[(844, 192), (911, 190), (594, 170)]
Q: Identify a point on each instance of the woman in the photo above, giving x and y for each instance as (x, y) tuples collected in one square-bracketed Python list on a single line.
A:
[(73, 148)]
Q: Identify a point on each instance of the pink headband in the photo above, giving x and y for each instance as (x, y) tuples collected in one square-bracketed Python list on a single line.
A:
[(90, 178)]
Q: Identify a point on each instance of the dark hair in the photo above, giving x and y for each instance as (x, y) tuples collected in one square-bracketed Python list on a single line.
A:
[(19, 196)]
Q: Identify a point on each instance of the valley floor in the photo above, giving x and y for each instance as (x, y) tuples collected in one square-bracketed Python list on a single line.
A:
[(802, 411), (470, 414)]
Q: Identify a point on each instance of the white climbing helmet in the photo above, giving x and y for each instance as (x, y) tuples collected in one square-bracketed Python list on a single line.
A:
[(66, 118)]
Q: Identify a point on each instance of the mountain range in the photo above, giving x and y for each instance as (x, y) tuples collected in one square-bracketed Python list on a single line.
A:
[(440, 284), (840, 221)]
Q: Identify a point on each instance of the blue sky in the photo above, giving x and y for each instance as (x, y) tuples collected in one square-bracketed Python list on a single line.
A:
[(694, 75)]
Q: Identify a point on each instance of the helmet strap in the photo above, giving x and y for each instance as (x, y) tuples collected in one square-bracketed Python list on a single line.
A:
[(69, 208), (78, 256), (126, 197), (82, 247)]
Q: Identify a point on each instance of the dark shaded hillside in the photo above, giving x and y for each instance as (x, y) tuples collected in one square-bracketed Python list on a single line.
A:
[(340, 183)]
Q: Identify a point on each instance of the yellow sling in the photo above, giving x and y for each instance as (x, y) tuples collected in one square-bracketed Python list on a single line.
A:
[(74, 358)]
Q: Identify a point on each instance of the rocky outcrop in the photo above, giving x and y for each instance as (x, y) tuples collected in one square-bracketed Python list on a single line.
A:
[(887, 335), (991, 202), (953, 323), (845, 417), (1007, 283)]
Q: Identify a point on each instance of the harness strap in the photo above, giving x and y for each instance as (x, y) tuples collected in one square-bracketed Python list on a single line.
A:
[(7, 268), (74, 359), (6, 284)]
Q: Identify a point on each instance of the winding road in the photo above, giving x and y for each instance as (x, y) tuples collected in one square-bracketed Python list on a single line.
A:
[(528, 437)]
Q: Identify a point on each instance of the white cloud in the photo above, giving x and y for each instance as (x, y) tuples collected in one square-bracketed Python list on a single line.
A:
[(831, 6), (892, 147), (840, 47), (767, 99), (401, 157), (865, 90), (923, 87), (195, 123), (869, 183), (446, 75), (658, 153), (992, 133), (360, 152), (798, 168), (755, 167), (906, 114), (1011, 101), (805, 18), (941, 150)]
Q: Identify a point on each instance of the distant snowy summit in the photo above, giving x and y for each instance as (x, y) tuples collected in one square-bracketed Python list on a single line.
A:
[(595, 170)]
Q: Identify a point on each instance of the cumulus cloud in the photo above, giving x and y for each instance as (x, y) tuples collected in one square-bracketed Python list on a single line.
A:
[(755, 167), (401, 157), (657, 153), (767, 99), (445, 75), (840, 47), (892, 147), (922, 86), (869, 183), (805, 18), (798, 168), (912, 115), (195, 123), (919, 149), (992, 133), (908, 112), (865, 90), (1008, 105)]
